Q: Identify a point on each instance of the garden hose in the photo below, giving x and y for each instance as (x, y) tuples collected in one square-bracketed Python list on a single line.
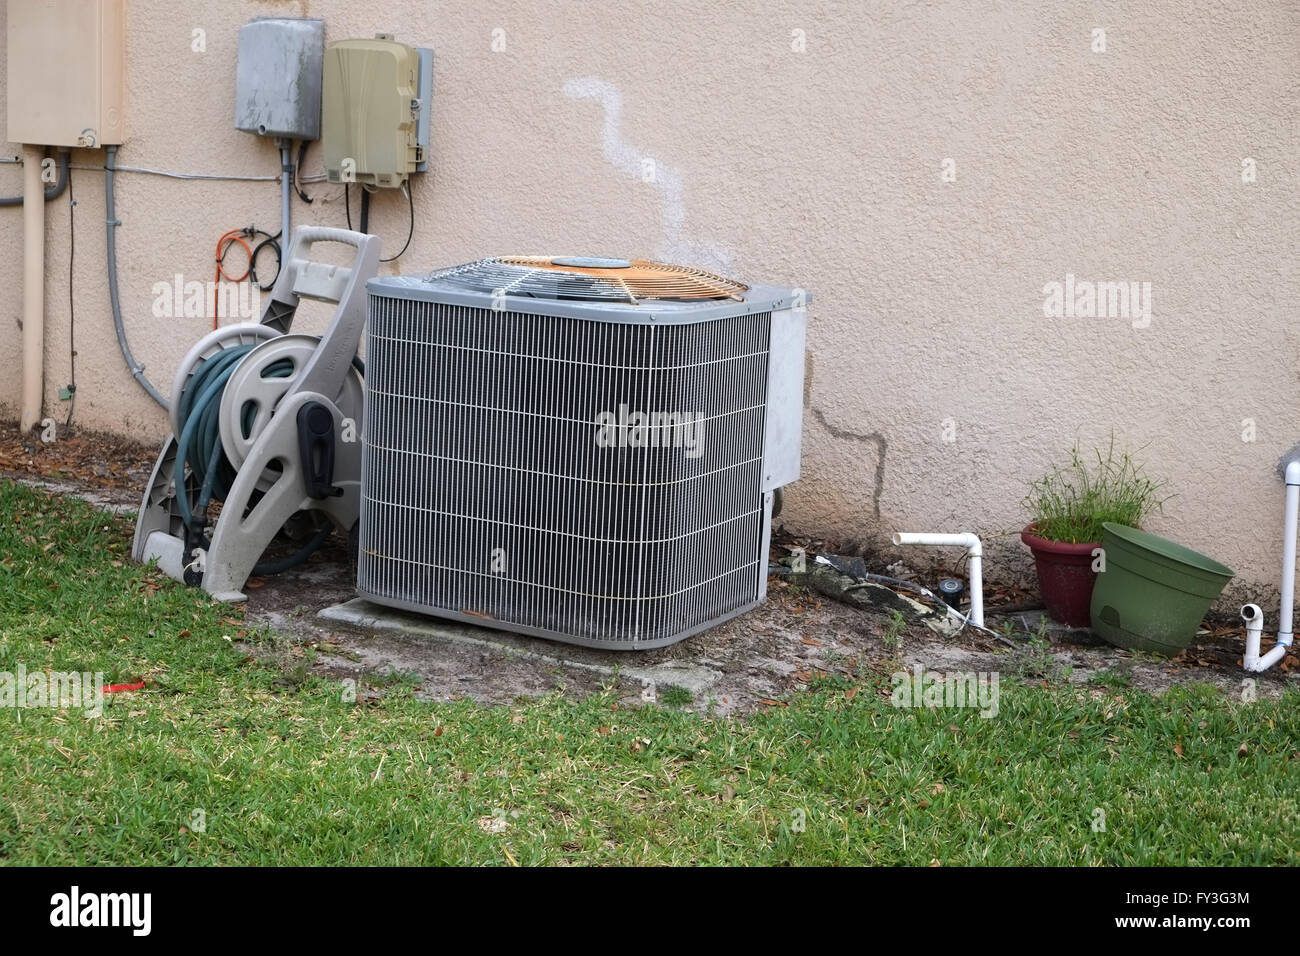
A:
[(200, 448)]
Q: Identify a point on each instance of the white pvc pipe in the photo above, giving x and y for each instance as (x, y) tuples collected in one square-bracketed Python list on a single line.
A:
[(1254, 619), (1289, 522), (1251, 613), (974, 550), (33, 288)]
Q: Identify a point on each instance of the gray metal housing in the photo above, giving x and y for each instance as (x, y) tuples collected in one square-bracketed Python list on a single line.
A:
[(424, 122), (278, 77), (759, 298), (487, 496)]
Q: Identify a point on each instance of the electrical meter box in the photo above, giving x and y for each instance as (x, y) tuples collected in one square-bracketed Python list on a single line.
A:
[(278, 77), (375, 111), (65, 72)]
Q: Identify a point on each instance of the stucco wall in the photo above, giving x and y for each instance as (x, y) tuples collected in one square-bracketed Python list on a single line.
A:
[(820, 168)]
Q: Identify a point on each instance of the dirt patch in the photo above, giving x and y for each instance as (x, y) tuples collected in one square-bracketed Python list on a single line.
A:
[(101, 467), (757, 660), (754, 661)]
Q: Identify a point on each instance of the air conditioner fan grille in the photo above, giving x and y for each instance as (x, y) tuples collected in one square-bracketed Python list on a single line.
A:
[(610, 281)]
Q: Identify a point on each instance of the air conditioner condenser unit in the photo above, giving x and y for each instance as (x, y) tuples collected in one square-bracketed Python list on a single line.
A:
[(580, 449)]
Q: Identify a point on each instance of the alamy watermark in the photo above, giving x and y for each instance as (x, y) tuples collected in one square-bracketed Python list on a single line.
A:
[(1084, 299), (626, 428), (921, 688), (74, 908), (57, 689), (179, 299)]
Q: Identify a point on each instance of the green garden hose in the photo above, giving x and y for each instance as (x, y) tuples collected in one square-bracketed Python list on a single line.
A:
[(200, 448)]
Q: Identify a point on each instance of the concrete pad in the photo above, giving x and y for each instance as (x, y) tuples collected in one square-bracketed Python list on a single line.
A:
[(358, 612)]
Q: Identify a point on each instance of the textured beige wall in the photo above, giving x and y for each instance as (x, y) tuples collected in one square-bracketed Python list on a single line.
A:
[(819, 168)]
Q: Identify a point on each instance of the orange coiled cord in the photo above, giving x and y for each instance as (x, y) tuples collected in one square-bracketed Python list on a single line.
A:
[(223, 246)]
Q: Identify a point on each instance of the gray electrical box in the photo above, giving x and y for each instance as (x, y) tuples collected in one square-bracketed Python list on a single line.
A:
[(278, 77)]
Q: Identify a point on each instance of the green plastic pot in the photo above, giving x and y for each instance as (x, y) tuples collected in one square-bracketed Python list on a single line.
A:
[(1153, 593)]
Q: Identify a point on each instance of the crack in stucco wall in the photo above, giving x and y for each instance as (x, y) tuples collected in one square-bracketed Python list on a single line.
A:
[(875, 438)]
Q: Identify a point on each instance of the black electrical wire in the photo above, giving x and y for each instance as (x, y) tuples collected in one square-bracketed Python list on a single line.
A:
[(252, 232), (297, 187), (72, 300), (410, 199), (365, 215), (279, 263)]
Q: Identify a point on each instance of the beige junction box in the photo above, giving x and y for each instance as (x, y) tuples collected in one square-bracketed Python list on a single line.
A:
[(66, 76)]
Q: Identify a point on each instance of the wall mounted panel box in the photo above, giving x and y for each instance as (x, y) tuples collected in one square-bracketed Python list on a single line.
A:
[(580, 449), (375, 111), (278, 77), (65, 72)]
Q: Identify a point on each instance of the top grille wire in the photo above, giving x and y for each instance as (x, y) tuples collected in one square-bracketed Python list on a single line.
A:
[(629, 281)]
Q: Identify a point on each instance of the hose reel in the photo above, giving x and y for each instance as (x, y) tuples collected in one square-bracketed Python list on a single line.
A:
[(260, 381), (266, 422)]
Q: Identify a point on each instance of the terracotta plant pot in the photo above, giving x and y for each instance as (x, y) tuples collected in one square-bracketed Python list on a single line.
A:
[(1065, 577)]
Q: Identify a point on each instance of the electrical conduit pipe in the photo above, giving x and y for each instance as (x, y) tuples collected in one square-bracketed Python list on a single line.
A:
[(53, 192), (974, 550), (1251, 613), (286, 193), (115, 299), (33, 287)]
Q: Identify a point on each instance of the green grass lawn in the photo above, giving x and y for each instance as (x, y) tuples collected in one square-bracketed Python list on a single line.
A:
[(280, 768)]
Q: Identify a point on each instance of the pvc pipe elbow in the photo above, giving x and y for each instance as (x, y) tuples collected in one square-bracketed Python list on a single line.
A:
[(1252, 661), (1250, 613), (974, 548), (1271, 658), (965, 539)]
